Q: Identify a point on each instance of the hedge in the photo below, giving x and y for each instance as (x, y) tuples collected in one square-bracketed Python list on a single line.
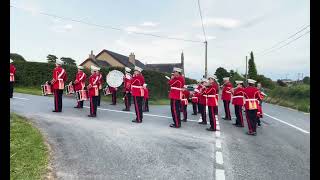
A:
[(33, 74)]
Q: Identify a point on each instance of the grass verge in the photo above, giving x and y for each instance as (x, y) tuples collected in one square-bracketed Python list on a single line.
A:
[(29, 155)]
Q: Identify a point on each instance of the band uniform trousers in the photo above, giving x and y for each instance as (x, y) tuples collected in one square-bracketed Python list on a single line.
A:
[(127, 100), (227, 109), (203, 111), (238, 112), (11, 89), (80, 104), (93, 105), (146, 105), (138, 100), (215, 108), (185, 112), (258, 118), (212, 117), (114, 97), (99, 97), (58, 99), (194, 106), (252, 120), (175, 111)]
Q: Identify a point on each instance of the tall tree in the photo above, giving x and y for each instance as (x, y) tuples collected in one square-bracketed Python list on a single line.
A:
[(306, 80), (17, 57), (68, 61), (51, 58), (221, 73), (252, 70)]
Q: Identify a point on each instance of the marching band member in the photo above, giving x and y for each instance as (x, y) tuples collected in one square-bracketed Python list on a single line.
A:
[(59, 77), (12, 79), (238, 102), (113, 92), (260, 114), (146, 98), (100, 85), (202, 101), (137, 93), (176, 84), (184, 102), (126, 88), (195, 99), (93, 89), (80, 83), (226, 97), (216, 85), (211, 101), (252, 98)]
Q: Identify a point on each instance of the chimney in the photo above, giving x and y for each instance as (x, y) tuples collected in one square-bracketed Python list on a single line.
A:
[(132, 58), (92, 56)]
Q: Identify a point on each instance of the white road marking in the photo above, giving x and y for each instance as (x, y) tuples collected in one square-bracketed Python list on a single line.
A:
[(302, 130), (21, 98), (217, 133), (219, 158), (218, 143), (220, 174)]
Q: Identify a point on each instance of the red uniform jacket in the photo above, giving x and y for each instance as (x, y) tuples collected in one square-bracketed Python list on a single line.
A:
[(12, 72), (127, 82), (238, 96), (226, 93), (195, 96), (215, 84), (100, 81), (209, 96), (94, 82), (202, 99), (252, 97), (176, 85), (137, 85), (81, 78), (60, 77), (146, 93), (185, 97)]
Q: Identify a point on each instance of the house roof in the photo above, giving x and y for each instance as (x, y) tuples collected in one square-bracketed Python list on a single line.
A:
[(123, 59), (102, 63), (89, 59), (168, 67)]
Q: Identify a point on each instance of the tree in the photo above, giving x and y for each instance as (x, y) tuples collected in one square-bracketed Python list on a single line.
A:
[(68, 61), (281, 83), (265, 82), (231, 73), (17, 57), (236, 77), (306, 80), (221, 73), (252, 71), (51, 58)]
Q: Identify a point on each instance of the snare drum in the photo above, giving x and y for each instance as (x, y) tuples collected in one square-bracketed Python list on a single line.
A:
[(106, 91), (82, 95), (46, 89), (69, 89)]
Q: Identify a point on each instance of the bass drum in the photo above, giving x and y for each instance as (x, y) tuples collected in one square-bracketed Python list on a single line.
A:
[(115, 78)]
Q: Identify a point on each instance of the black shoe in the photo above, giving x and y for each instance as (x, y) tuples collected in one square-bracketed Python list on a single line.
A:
[(193, 114), (76, 107), (92, 115), (54, 111), (184, 120), (202, 122), (135, 121), (249, 133), (238, 125), (98, 105), (210, 129), (174, 126), (235, 124)]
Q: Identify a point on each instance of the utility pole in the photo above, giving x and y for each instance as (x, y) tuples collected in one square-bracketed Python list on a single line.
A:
[(206, 61), (246, 69)]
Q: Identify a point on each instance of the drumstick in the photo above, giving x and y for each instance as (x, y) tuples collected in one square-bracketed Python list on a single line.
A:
[(167, 77)]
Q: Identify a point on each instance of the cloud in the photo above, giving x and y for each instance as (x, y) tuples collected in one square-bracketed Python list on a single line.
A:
[(62, 28), (225, 23), (201, 37), (149, 24), (137, 29)]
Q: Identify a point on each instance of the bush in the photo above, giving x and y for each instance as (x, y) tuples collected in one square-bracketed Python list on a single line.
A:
[(33, 74)]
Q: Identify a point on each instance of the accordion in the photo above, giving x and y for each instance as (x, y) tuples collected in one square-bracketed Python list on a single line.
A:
[(82, 95), (46, 89), (69, 89)]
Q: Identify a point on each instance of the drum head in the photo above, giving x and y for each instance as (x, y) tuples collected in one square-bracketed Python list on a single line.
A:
[(115, 78)]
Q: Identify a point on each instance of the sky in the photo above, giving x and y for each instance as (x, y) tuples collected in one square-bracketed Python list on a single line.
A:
[(233, 28)]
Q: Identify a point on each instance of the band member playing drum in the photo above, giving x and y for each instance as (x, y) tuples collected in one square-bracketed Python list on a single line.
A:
[(195, 99), (145, 98), (100, 85), (137, 93), (184, 103), (80, 83), (238, 101), (226, 97), (93, 89), (202, 101), (176, 84), (216, 85), (127, 88), (59, 77), (12, 74)]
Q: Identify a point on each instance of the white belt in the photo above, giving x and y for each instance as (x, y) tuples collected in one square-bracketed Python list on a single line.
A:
[(237, 96), (251, 99), (11, 74), (209, 95), (194, 98), (136, 86), (184, 99), (180, 89), (95, 86)]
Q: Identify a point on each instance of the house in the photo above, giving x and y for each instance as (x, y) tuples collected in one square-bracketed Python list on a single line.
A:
[(108, 58)]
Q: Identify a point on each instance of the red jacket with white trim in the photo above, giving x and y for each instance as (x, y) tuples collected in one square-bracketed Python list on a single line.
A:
[(59, 76), (238, 96), (252, 97), (12, 72), (127, 82), (209, 96), (94, 83), (176, 84), (81, 78), (137, 85), (146, 93), (185, 97), (226, 93)]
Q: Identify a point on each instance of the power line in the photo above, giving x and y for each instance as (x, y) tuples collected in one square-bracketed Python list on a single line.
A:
[(287, 43), (109, 27), (204, 33), (275, 45)]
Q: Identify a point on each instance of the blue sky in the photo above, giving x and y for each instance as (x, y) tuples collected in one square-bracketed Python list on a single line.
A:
[(233, 29)]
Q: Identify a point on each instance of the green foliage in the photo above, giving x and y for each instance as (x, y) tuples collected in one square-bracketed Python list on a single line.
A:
[(281, 83), (306, 80), (221, 73), (17, 57), (236, 77), (68, 61), (265, 82), (51, 58), (252, 71)]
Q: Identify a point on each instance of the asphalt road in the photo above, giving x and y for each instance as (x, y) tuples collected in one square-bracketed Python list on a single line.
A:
[(112, 147)]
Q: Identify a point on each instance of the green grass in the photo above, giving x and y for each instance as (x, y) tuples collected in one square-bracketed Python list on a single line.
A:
[(29, 90), (28, 153)]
